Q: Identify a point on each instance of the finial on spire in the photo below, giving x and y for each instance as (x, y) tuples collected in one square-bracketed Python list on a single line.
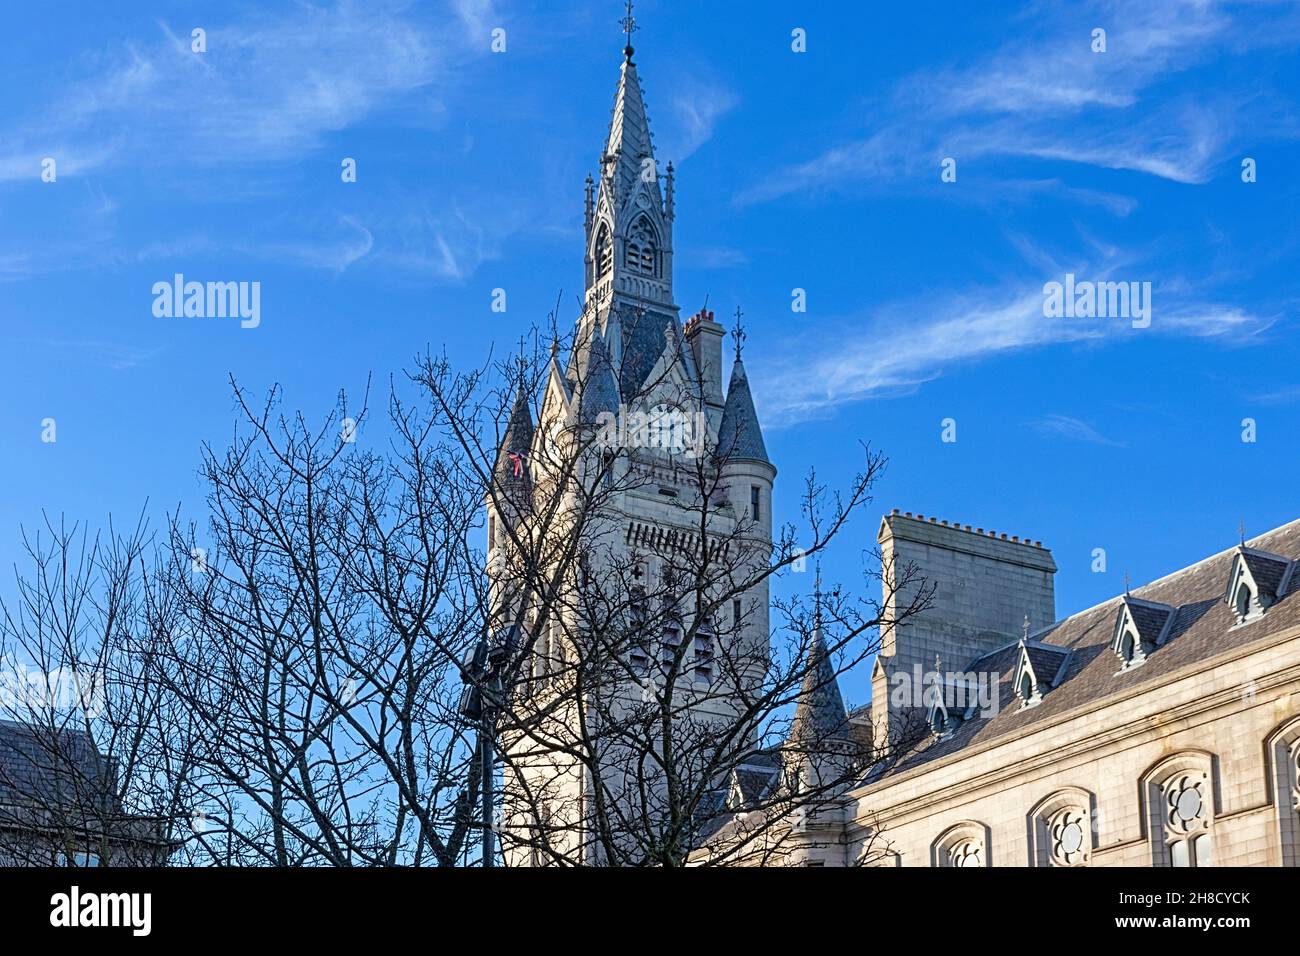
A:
[(817, 595), (521, 362), (739, 333), (1026, 637), (1241, 529), (629, 25), (1126, 584)]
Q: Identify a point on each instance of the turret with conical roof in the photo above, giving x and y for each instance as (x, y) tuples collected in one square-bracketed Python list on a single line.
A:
[(819, 715), (511, 467), (739, 436)]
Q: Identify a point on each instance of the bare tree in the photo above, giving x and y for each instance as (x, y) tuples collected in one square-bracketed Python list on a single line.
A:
[(88, 749), (313, 672), (323, 615), (648, 711)]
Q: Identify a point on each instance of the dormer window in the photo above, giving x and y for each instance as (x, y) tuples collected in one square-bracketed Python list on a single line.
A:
[(1040, 668), (1256, 581), (952, 699), (1140, 627)]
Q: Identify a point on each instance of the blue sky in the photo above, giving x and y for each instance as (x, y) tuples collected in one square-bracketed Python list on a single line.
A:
[(816, 170)]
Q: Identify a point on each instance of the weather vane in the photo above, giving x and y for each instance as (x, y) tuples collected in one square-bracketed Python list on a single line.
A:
[(521, 361), (629, 25), (739, 333)]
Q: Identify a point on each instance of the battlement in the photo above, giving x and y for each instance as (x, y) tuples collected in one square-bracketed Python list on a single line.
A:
[(951, 535)]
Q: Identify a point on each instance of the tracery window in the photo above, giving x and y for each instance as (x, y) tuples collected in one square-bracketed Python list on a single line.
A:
[(1181, 807), (1069, 833), (966, 853), (964, 845), (1187, 820), (1062, 829), (641, 251)]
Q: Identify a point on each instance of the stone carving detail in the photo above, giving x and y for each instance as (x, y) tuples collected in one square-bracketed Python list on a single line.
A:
[(966, 853), (1070, 837), (1185, 804)]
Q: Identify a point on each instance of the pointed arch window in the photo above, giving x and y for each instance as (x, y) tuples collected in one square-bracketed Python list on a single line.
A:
[(641, 252), (1283, 746), (1062, 829), (964, 845), (604, 251), (1180, 797)]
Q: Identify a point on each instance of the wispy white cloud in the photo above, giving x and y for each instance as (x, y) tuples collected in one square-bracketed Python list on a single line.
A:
[(479, 18), (1280, 396), (1053, 99), (891, 352), (114, 355), (266, 90), (334, 253), (695, 108), (1074, 429), (270, 90)]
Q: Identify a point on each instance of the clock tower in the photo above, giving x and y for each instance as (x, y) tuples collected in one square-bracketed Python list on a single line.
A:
[(633, 365)]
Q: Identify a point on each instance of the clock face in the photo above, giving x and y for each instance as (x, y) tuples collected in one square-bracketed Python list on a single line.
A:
[(666, 427)]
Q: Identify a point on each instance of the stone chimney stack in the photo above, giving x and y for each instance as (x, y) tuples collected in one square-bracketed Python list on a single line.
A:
[(985, 584), (705, 338)]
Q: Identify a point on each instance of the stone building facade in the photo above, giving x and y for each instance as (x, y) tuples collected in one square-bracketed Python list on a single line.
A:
[(1159, 728)]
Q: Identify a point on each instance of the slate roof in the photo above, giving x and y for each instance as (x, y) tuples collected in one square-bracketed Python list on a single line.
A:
[(739, 435), (819, 714), (753, 782), (599, 387), (1148, 620), (1202, 628), (1046, 660), (52, 769), (1267, 571), (629, 129), (644, 340)]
